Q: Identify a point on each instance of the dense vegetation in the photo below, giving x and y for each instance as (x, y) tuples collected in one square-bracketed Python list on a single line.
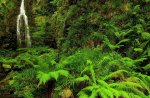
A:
[(80, 49)]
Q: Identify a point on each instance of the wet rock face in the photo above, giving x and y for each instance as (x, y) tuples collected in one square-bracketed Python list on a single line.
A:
[(8, 38), (2, 74), (34, 8), (8, 42)]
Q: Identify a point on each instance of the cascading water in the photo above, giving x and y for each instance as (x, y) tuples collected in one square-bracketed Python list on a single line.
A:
[(23, 29)]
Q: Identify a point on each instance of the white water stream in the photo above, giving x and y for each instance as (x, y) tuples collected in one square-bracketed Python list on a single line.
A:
[(22, 20)]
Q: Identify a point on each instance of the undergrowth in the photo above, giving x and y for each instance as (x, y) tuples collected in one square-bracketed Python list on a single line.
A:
[(99, 49), (87, 73)]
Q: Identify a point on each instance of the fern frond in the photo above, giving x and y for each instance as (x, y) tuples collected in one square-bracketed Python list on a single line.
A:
[(105, 92), (54, 75), (139, 81), (123, 41), (82, 94), (144, 81), (132, 95), (81, 79), (94, 94), (93, 73), (125, 84), (63, 73), (147, 67), (115, 74), (140, 60), (128, 86), (103, 83), (123, 94), (128, 62), (111, 46), (43, 77)]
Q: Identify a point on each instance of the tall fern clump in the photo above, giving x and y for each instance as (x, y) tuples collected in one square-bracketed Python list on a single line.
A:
[(93, 26), (31, 69), (107, 75)]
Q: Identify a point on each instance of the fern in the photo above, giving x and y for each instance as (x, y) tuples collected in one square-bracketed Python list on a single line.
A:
[(81, 79), (128, 87), (147, 67), (111, 46), (128, 62), (24, 83), (122, 89), (117, 73), (44, 77)]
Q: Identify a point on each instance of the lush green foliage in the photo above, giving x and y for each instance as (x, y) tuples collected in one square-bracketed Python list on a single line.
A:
[(81, 49), (33, 65), (99, 74)]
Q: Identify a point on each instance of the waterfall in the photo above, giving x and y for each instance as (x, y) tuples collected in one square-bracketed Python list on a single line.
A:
[(23, 28)]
